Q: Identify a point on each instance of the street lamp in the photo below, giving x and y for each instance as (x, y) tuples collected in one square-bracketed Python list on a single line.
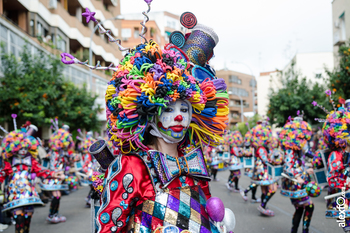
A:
[(92, 34), (252, 74), (242, 118)]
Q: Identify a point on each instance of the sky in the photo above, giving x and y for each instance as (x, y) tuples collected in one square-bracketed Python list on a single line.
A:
[(255, 35)]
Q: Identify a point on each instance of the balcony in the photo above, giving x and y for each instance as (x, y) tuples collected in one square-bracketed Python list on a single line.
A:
[(337, 38)]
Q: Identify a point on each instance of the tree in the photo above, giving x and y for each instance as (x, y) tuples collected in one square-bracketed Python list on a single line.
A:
[(338, 81), (297, 93), (34, 89), (242, 126)]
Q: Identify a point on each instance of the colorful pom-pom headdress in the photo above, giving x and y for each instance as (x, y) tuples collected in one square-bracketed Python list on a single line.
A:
[(86, 141), (149, 79), (18, 139), (60, 139), (295, 133), (261, 134), (233, 138), (336, 127)]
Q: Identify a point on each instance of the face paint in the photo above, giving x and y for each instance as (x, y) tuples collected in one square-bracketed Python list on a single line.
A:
[(174, 120), (22, 152)]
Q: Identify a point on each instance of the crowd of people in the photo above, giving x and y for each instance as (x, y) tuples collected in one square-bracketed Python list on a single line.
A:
[(294, 160)]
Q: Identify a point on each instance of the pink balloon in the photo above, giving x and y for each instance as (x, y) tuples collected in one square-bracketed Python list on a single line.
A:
[(215, 209)]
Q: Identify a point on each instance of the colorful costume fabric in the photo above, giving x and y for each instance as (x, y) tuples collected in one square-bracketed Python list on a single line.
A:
[(336, 136), (21, 172)]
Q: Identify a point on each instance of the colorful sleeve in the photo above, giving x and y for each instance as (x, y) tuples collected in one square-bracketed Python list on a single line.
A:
[(205, 187), (262, 154), (289, 165), (5, 171), (336, 178), (127, 181), (40, 171)]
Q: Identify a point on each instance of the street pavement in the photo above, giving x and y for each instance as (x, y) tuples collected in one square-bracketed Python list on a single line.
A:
[(248, 219)]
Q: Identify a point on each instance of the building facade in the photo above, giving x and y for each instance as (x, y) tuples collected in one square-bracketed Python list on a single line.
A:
[(166, 22), (131, 29), (341, 25), (239, 86), (267, 81), (57, 26)]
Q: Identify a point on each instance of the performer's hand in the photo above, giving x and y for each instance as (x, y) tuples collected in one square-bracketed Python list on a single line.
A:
[(310, 171), (59, 175), (299, 180)]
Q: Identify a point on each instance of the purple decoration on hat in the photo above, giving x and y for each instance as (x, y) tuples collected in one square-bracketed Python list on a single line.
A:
[(89, 15), (328, 92), (148, 1), (67, 168), (32, 176), (215, 209), (200, 44), (314, 103), (298, 112), (64, 60), (14, 116)]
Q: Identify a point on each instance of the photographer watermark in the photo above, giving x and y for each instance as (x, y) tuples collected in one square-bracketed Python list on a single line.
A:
[(341, 207)]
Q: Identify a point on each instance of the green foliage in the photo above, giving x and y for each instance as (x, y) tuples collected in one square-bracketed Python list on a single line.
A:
[(242, 126), (34, 89), (338, 80), (296, 94)]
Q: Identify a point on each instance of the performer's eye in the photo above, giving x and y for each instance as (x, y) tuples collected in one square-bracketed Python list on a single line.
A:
[(168, 110), (184, 110)]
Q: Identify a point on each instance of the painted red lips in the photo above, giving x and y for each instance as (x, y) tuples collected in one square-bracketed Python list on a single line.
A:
[(177, 128)]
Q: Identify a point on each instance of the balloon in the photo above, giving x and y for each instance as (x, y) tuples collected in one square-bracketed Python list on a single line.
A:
[(215, 209), (229, 220)]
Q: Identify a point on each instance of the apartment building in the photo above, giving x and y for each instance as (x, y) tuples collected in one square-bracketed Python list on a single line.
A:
[(57, 26), (341, 25), (166, 23), (131, 30), (239, 86)]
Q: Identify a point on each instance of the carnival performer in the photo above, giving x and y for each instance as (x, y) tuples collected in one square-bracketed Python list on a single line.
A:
[(275, 154), (88, 162), (293, 138), (248, 151), (234, 142), (20, 169), (336, 134), (160, 113), (261, 135), (61, 145)]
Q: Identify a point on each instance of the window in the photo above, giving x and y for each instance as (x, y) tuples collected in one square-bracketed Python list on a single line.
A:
[(3, 36), (136, 32), (342, 26), (234, 79), (238, 91), (252, 83), (31, 27), (126, 32), (318, 76), (61, 44), (17, 44)]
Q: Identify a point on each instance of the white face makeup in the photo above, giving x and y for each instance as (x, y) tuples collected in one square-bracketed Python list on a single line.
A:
[(22, 152), (174, 120)]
